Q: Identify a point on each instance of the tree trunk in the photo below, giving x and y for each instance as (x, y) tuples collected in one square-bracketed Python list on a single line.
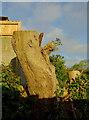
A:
[(34, 59)]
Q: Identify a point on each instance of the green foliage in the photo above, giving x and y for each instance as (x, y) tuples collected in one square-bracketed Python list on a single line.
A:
[(61, 73), (80, 89), (60, 69), (83, 64), (13, 105), (58, 42), (22, 107), (9, 79), (77, 89)]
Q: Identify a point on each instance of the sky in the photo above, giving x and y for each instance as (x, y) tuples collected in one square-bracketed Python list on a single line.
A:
[(64, 20)]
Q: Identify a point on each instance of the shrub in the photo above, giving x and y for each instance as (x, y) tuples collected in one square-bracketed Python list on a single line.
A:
[(14, 106), (78, 89), (61, 73)]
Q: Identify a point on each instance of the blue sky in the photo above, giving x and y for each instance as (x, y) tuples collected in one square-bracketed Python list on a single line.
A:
[(65, 20)]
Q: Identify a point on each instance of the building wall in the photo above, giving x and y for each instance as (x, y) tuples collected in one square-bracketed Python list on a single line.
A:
[(8, 27), (6, 31), (7, 50)]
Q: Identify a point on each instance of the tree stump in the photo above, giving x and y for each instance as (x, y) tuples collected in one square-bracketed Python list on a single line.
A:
[(34, 59)]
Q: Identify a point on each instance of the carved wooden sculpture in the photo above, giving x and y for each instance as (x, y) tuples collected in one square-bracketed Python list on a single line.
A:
[(34, 59), (73, 74)]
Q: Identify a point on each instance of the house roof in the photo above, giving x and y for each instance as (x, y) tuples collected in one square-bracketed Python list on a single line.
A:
[(4, 18)]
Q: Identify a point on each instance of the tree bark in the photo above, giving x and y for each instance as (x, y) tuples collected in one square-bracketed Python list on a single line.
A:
[(34, 59)]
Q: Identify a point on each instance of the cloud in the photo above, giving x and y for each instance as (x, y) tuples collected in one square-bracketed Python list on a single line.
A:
[(47, 12), (70, 61), (25, 5), (16, 8), (74, 20), (75, 11), (72, 50), (71, 47), (55, 20), (42, 15), (52, 34), (23, 28)]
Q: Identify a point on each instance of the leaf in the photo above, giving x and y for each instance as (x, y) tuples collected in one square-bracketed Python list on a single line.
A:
[(57, 91), (62, 92)]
